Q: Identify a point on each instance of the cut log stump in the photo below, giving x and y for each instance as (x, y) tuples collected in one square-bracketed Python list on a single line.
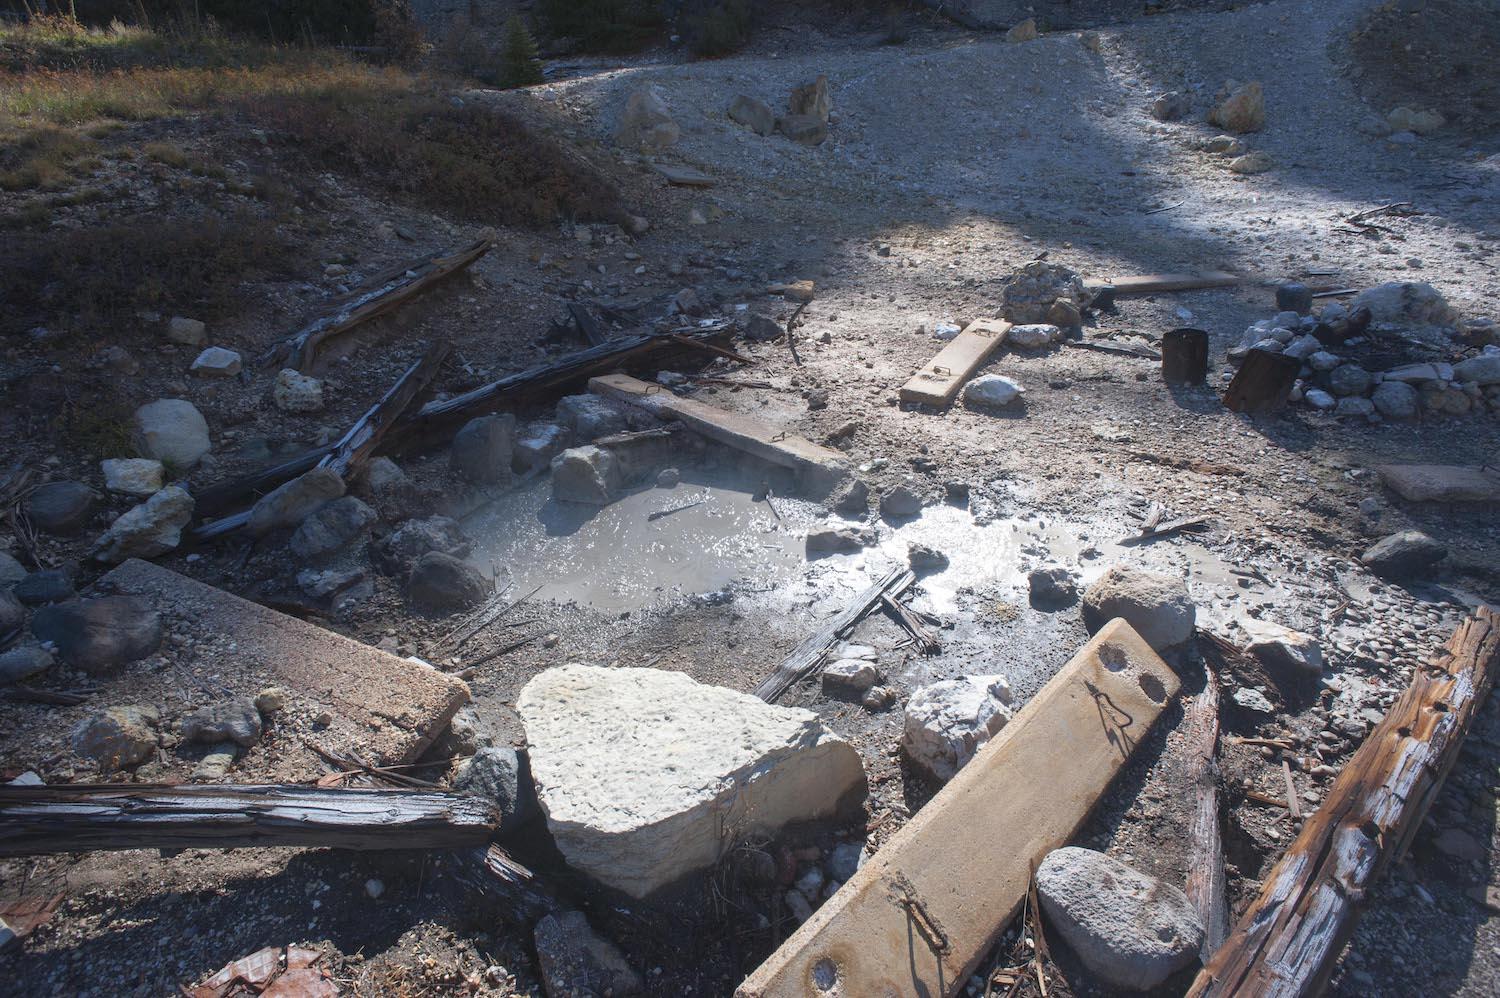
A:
[(1263, 383), (1184, 356)]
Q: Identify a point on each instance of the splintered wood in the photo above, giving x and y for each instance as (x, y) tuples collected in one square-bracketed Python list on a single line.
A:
[(920, 915), (1289, 939), (955, 364)]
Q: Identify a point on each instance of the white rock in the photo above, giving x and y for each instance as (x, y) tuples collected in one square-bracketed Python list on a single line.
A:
[(537, 445), (646, 776), (1157, 606), (945, 330), (1303, 347), (171, 431), (646, 125), (132, 476), (188, 332), (585, 474), (295, 392), (993, 391), (217, 362), (948, 721), (1319, 399), (152, 528), (1127, 927), (851, 674), (1281, 648), (1033, 336), (1405, 302), (589, 417)]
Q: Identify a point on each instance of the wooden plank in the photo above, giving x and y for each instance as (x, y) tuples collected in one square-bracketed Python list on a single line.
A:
[(589, 327), (383, 708), (820, 468), (36, 821), (921, 914), (955, 364), (1146, 284), (806, 656), (684, 176), (1289, 939), (1206, 882)]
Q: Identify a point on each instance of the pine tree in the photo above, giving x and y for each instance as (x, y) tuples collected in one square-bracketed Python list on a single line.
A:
[(520, 63)]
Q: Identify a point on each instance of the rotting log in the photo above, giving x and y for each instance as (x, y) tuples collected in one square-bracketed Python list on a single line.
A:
[(384, 294), (111, 816), (1289, 939), (921, 914), (1206, 880), (806, 656), (496, 880)]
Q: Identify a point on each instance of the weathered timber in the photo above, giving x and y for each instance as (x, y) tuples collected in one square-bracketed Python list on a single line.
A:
[(220, 497), (385, 293), (590, 328), (1184, 356), (1263, 383), (111, 816), (806, 656), (1142, 352), (922, 913), (938, 382), (496, 880), (1289, 939), (1206, 879), (1146, 284)]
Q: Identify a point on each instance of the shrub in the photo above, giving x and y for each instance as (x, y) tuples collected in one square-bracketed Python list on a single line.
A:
[(520, 65), (605, 25), (718, 28)]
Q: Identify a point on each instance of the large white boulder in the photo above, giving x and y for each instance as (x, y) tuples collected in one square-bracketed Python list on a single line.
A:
[(171, 431), (646, 776), (1406, 302), (948, 721)]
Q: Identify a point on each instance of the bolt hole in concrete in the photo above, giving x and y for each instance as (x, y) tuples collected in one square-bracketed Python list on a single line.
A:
[(825, 974), (1153, 688), (1113, 657)]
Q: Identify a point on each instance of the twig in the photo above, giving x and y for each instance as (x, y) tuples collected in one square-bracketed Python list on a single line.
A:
[(791, 341), (675, 509), (1169, 207), (505, 650), (1291, 791)]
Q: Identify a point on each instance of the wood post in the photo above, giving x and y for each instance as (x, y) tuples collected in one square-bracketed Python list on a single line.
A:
[(1263, 382), (1184, 356), (1205, 881), (1290, 937)]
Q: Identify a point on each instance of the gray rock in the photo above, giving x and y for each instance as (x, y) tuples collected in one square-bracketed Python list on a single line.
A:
[(813, 99), (399, 551), (1283, 651), (61, 508), (1129, 928), (1253, 162), (1395, 400), (1157, 606), (22, 663), (331, 528), (1171, 106), (188, 332), (133, 476), (1319, 399), (501, 776), (853, 499), (668, 478), (589, 417), (1405, 303), (235, 721), (117, 737), (1032, 336), (482, 450), (755, 115), (804, 129), (1303, 347), (11, 571), (289, 504), (294, 392), (844, 860), (443, 583), (762, 328), (1482, 370), (993, 391), (576, 962), (850, 675), (900, 502), (217, 362), (152, 528), (47, 585), (1354, 406), (646, 125), (837, 540), (1403, 554), (924, 558), (1053, 586), (1253, 700), (12, 613), (97, 635), (948, 721), (586, 474), (1322, 360), (537, 445), (1416, 374), (171, 431), (1349, 379), (215, 765)]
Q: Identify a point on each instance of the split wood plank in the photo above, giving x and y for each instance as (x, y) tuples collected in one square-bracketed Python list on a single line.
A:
[(1263, 383), (386, 293), (1289, 939), (1206, 883), (806, 656), (591, 328), (819, 468), (922, 913), (384, 708), (938, 382), (36, 821), (494, 878), (1146, 284)]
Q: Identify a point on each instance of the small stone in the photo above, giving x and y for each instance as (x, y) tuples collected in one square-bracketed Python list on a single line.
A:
[(646, 125), (1319, 399), (1322, 360), (1224, 145), (993, 391), (294, 392), (97, 635), (374, 888), (1251, 163), (1065, 315), (1405, 119), (850, 675), (812, 99), (188, 332), (1171, 106), (150, 529), (1482, 370), (537, 445), (61, 508), (23, 662), (804, 129), (1157, 606), (235, 721), (589, 417), (1403, 554), (797, 903), (443, 583), (574, 960), (399, 551), (844, 861), (331, 528), (1024, 31), (901, 502), (171, 431), (1033, 336), (215, 765), (668, 478), (289, 504), (1405, 302), (1129, 928), (481, 451), (1349, 379), (47, 585), (836, 540), (1052, 587), (1243, 111), (132, 476), (924, 558), (271, 700), (878, 698), (1354, 406), (1395, 400), (853, 499), (217, 362), (947, 722), (586, 474), (754, 114), (11, 571), (500, 776), (117, 360), (117, 737)]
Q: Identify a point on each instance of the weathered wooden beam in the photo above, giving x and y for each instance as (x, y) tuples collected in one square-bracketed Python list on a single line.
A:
[(387, 292), (806, 656), (942, 378), (1146, 284), (495, 879), (1263, 383), (591, 328), (1289, 939), (111, 816), (922, 913), (1206, 884)]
